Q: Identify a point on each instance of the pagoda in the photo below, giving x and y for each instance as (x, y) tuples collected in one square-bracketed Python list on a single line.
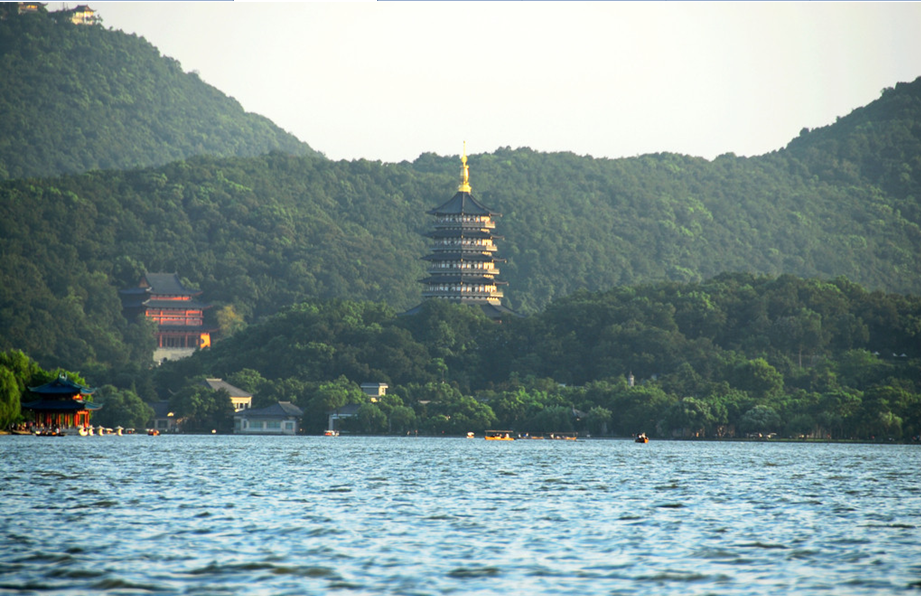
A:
[(180, 319), (462, 265), (61, 404)]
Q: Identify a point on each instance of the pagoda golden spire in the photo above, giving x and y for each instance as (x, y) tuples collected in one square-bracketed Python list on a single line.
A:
[(465, 173)]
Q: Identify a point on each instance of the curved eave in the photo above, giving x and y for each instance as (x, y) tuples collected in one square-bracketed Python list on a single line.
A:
[(463, 203), (466, 279), (459, 233), (61, 405), (477, 257)]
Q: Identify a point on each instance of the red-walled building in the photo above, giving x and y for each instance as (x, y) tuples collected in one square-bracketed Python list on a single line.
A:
[(175, 309)]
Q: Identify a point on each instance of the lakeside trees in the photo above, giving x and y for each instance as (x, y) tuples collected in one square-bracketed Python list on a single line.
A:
[(707, 358), (723, 372)]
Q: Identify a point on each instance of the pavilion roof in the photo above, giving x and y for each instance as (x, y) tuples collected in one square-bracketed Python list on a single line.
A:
[(60, 387), (462, 203)]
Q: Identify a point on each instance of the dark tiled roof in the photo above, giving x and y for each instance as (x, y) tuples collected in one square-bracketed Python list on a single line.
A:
[(218, 384), (460, 277), (61, 386), (61, 405), (462, 203), (460, 233), (282, 409), (168, 284), (460, 256), (177, 304), (346, 410)]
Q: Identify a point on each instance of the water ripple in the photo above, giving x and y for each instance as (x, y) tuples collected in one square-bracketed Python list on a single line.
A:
[(273, 516)]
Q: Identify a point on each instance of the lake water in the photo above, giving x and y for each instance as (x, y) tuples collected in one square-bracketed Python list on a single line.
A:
[(313, 515)]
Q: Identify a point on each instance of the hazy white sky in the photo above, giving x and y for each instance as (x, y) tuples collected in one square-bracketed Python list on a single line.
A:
[(388, 81)]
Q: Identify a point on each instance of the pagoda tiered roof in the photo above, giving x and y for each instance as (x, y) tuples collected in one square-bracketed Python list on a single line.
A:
[(462, 256), (464, 234), (475, 233), (471, 278), (463, 203)]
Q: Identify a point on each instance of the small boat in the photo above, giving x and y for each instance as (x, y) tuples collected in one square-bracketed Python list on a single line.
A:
[(641, 438), (470, 435), (331, 433), (499, 435), (153, 432)]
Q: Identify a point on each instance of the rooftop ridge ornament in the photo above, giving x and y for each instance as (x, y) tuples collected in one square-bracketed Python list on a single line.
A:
[(465, 173)]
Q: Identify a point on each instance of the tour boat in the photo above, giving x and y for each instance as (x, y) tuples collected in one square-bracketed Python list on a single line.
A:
[(499, 435)]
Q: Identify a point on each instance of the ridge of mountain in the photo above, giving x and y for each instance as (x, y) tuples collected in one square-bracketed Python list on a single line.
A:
[(81, 97)]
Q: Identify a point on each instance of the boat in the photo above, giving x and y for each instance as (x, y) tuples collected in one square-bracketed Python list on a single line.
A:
[(641, 438), (499, 435), (331, 433), (153, 432), (470, 435), (564, 436)]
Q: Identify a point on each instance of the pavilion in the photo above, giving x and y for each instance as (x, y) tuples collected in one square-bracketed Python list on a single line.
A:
[(61, 404)]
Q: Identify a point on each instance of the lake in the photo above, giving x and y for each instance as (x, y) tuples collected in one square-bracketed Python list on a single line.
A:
[(353, 515)]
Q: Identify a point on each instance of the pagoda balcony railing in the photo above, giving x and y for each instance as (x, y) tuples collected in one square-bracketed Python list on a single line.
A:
[(441, 245), (465, 221), (464, 270), (462, 295), (480, 225)]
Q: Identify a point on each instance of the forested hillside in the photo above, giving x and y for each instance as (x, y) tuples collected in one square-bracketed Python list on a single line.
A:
[(75, 98), (259, 234), (259, 231)]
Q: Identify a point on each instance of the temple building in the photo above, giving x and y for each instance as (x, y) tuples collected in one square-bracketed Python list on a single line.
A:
[(61, 404), (175, 309), (462, 265)]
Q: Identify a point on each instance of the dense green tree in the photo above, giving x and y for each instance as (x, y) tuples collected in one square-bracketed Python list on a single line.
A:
[(598, 420), (202, 409), (78, 98), (761, 420), (121, 407)]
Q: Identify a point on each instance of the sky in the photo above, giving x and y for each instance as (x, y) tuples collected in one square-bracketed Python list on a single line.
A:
[(389, 81)]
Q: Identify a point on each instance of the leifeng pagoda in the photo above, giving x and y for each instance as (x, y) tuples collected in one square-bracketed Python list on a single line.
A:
[(462, 265), (180, 319)]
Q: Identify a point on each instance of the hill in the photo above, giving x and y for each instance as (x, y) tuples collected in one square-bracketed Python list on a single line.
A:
[(77, 98), (258, 234)]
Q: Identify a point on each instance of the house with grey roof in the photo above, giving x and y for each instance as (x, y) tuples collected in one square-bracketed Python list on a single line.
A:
[(282, 418)]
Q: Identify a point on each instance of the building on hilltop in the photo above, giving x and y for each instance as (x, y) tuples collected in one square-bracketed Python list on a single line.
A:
[(180, 319), (462, 265), (82, 15), (30, 7)]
